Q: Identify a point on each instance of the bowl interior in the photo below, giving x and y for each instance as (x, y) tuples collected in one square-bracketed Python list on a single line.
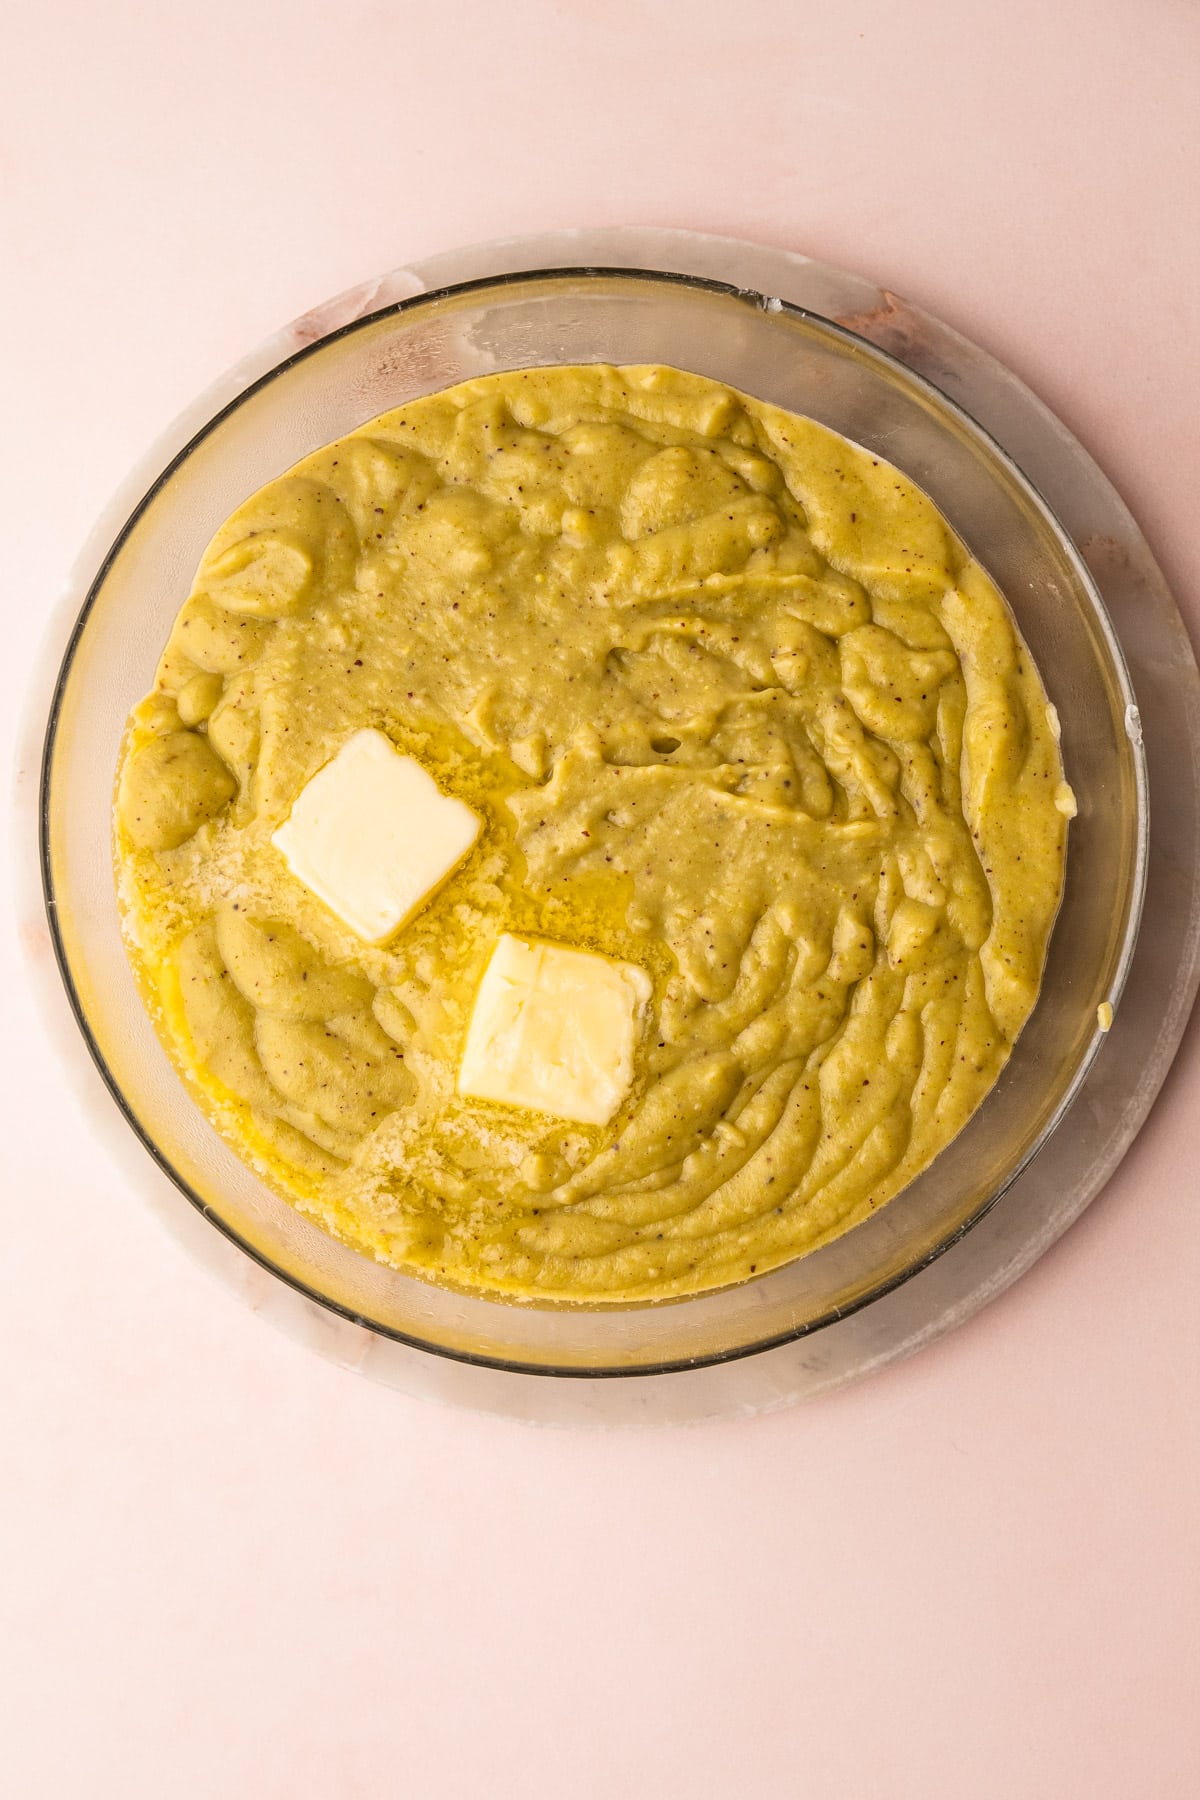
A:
[(783, 355)]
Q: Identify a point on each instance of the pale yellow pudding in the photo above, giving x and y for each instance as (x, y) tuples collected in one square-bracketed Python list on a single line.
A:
[(730, 707)]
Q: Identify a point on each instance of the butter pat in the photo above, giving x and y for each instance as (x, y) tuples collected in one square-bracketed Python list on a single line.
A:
[(372, 835), (554, 1030)]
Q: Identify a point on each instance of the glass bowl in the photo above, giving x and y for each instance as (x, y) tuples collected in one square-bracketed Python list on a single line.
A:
[(782, 354)]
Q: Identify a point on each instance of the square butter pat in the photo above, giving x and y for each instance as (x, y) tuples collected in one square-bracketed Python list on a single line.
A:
[(372, 835), (554, 1029)]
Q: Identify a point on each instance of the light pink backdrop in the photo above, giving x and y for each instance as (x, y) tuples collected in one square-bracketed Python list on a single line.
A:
[(229, 1569)]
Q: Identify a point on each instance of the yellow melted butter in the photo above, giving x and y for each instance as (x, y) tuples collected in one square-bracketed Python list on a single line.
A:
[(732, 701)]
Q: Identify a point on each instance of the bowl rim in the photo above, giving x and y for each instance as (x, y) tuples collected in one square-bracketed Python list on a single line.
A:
[(760, 302)]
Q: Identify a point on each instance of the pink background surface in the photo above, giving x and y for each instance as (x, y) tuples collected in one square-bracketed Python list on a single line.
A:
[(229, 1568)]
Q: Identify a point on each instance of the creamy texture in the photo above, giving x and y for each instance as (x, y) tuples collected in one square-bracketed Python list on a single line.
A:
[(734, 706)]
